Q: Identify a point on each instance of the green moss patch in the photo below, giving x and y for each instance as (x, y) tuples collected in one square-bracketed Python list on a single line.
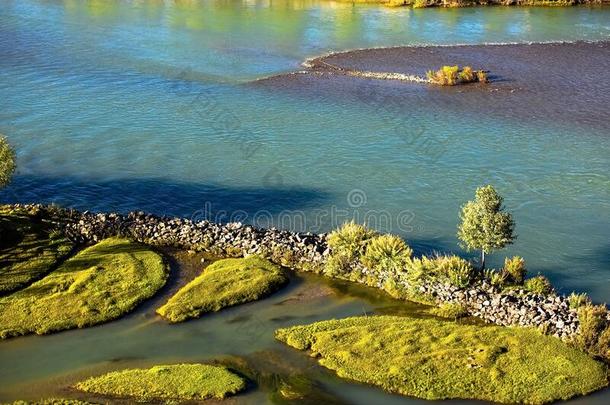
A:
[(223, 284), (29, 249), (173, 382), (99, 284), (435, 359)]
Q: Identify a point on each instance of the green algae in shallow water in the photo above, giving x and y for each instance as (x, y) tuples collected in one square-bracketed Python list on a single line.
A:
[(177, 382), (28, 250), (434, 359), (223, 284), (99, 284)]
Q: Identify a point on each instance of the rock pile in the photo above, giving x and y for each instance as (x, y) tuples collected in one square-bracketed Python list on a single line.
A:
[(304, 252)]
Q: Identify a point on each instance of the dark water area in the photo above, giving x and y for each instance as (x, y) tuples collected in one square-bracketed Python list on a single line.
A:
[(547, 82)]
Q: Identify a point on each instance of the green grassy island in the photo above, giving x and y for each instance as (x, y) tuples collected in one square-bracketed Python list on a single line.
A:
[(98, 284), (435, 360), (172, 382), (223, 284), (28, 250)]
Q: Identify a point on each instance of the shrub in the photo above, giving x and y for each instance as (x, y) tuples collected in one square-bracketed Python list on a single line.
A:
[(538, 285), (496, 278), (457, 271), (452, 75), (445, 76), (594, 330), (350, 239), (467, 75), (482, 76), (387, 253), (337, 265), (420, 3), (576, 301), (450, 310), (515, 270), (421, 269)]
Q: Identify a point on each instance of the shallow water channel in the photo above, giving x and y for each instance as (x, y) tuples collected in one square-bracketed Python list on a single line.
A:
[(241, 337)]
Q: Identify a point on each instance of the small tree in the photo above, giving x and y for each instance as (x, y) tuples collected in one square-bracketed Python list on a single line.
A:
[(7, 162), (485, 226)]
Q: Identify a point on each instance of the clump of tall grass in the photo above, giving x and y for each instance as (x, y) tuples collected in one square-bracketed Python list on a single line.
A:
[(594, 331), (538, 285), (348, 243), (576, 301), (457, 271), (514, 269), (497, 278), (387, 253), (453, 75), (350, 239)]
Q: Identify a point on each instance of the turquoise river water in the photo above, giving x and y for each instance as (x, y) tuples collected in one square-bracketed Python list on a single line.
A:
[(155, 106)]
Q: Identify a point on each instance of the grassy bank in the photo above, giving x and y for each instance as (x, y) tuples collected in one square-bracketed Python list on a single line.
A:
[(223, 284), (440, 360), (29, 249), (173, 382), (99, 284)]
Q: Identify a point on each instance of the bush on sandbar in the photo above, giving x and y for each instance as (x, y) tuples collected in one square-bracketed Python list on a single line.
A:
[(453, 75)]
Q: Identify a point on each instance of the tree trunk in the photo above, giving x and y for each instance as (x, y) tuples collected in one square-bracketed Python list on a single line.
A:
[(482, 260)]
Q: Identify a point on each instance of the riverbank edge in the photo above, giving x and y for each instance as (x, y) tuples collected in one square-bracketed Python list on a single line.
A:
[(477, 3), (308, 252)]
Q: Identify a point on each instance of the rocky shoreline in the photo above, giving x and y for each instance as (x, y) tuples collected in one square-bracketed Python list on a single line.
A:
[(305, 252)]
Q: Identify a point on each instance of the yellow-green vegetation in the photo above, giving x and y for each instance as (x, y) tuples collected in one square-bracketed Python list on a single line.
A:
[(390, 263), (223, 284), (29, 248), (7, 162), (515, 270), (386, 253), (538, 285), (54, 401), (99, 284), (172, 382), (594, 331), (348, 244), (576, 300), (435, 359), (453, 75), (450, 310)]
